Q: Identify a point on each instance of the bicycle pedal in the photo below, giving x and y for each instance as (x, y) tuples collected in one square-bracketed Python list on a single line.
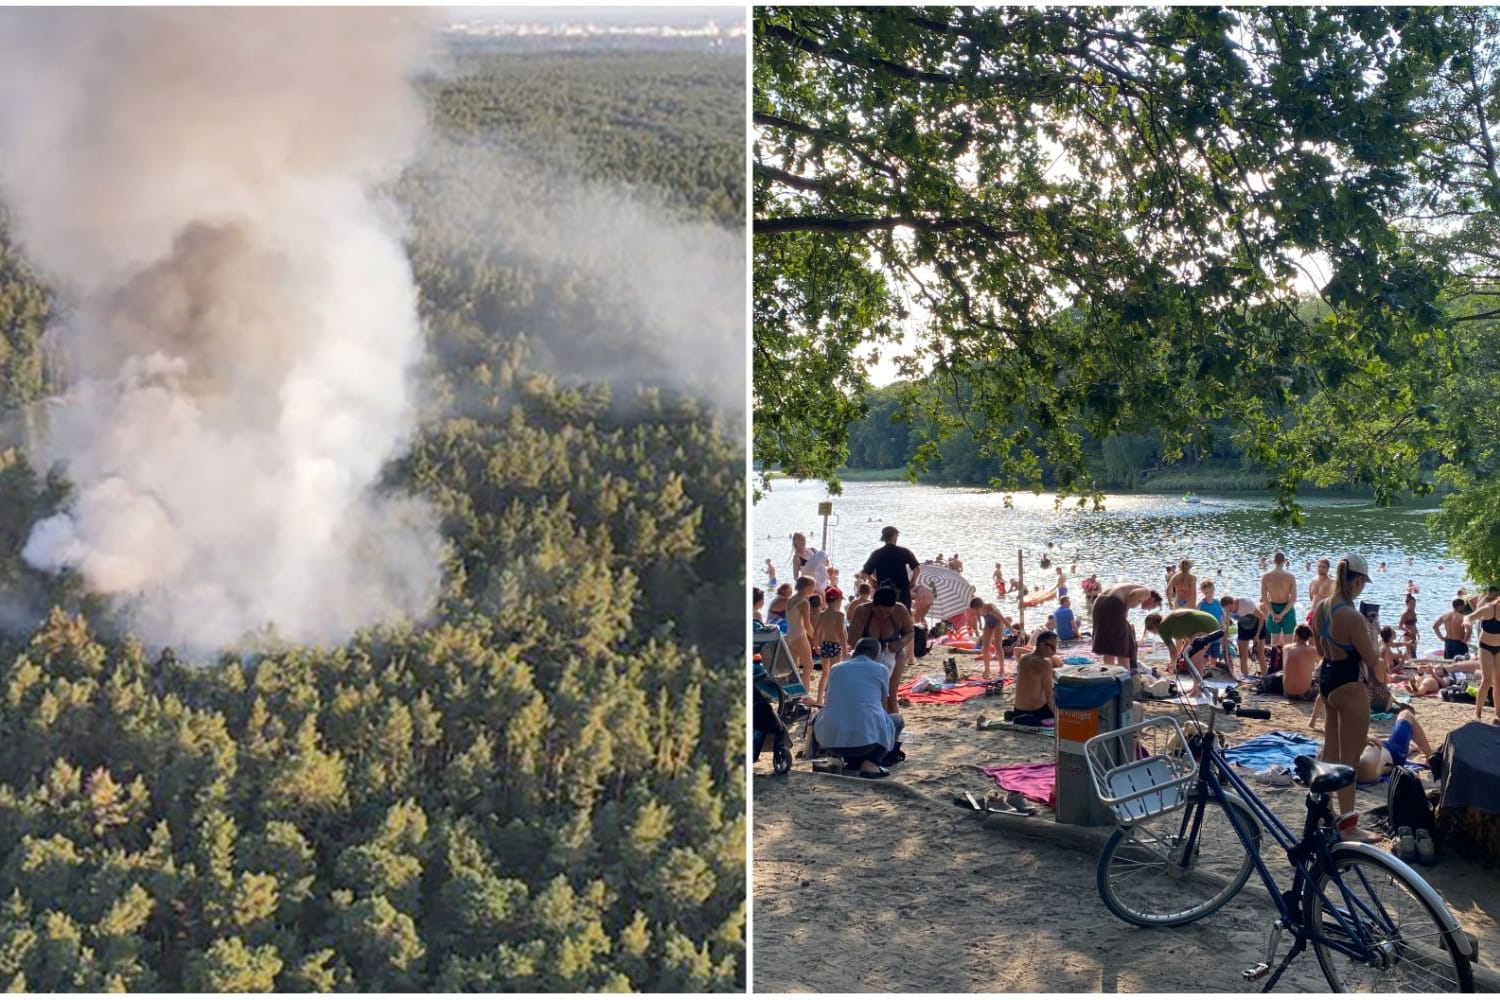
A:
[(1257, 971)]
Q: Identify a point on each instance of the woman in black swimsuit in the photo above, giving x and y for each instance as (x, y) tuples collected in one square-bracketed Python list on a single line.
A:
[(1489, 656), (886, 619), (1349, 660)]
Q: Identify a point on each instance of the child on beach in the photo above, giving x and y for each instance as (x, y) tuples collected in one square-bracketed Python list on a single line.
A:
[(832, 635)]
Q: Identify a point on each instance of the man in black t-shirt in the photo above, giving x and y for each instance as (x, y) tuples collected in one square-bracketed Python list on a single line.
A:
[(890, 563)]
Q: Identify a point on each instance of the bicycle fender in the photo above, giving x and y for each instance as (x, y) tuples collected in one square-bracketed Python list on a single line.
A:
[(1247, 814), (1427, 892)]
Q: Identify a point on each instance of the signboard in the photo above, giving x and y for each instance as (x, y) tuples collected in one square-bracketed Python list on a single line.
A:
[(825, 508)]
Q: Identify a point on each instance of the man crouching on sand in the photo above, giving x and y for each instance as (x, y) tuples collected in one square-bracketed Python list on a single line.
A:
[(1034, 703)]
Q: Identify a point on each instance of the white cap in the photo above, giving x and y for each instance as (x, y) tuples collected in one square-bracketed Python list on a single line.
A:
[(1358, 565)]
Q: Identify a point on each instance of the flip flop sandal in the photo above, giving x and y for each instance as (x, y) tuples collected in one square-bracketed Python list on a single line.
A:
[(877, 773)]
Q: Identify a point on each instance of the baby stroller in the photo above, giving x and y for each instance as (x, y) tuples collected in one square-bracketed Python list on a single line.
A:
[(774, 697)]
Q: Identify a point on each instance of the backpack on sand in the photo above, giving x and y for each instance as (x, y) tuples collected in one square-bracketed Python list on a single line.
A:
[(1406, 802)]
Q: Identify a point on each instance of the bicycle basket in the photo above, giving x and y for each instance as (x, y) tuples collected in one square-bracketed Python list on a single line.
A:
[(1143, 770)]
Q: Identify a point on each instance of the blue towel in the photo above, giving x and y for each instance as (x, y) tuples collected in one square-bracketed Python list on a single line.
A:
[(1077, 661), (1270, 749)]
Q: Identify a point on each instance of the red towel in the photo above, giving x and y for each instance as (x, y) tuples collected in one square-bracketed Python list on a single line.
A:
[(1037, 782), (955, 695)]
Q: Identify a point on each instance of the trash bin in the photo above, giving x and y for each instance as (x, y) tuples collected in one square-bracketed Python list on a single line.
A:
[(1091, 699)]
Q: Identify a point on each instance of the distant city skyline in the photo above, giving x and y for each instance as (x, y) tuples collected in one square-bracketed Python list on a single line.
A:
[(633, 16)]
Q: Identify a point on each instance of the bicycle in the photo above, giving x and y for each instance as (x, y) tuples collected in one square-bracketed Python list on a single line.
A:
[(1190, 835)]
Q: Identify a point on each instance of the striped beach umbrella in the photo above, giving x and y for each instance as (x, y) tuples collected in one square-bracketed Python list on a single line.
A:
[(951, 593)]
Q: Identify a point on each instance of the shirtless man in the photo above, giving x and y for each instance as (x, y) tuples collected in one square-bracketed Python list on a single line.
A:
[(799, 627), (832, 635), (1454, 631), (1034, 702), (1299, 662), (1182, 588), (1278, 591), (986, 621), (1321, 585)]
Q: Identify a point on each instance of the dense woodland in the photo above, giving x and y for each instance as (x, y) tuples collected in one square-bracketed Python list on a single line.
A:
[(542, 788), (895, 428)]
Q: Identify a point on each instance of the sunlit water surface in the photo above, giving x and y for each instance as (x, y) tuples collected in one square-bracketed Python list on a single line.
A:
[(1134, 537)]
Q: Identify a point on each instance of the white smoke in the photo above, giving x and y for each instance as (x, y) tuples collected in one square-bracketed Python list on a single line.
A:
[(240, 322), (667, 294)]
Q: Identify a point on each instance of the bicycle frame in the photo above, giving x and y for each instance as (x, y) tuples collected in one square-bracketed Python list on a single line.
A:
[(1311, 852)]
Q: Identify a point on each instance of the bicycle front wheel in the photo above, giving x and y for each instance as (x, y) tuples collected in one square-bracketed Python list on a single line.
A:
[(1163, 872), (1400, 932)]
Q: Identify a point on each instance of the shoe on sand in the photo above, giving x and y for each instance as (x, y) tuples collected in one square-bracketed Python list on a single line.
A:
[(1406, 844), (1276, 775), (1426, 849)]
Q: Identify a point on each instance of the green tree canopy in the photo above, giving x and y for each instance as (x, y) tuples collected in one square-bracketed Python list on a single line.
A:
[(1094, 218)]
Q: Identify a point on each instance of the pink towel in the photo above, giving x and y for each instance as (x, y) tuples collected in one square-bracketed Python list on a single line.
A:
[(1037, 782)]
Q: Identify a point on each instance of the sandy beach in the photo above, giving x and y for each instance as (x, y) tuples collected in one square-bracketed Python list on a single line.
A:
[(886, 885)]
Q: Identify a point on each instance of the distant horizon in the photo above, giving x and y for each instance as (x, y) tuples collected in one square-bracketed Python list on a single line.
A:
[(599, 15)]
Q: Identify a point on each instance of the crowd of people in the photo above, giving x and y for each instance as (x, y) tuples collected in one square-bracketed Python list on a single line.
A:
[(1330, 652)]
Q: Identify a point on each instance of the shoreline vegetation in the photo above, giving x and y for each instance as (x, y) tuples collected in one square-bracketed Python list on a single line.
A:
[(1207, 481)]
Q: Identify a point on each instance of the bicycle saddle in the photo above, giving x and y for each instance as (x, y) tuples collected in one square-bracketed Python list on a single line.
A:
[(1321, 776)]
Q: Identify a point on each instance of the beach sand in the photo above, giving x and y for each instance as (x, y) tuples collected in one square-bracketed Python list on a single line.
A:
[(870, 886)]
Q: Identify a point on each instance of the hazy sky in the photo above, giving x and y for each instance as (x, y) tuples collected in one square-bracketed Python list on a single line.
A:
[(601, 15)]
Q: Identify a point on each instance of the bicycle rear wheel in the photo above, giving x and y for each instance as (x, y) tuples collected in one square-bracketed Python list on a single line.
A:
[(1159, 873), (1406, 945)]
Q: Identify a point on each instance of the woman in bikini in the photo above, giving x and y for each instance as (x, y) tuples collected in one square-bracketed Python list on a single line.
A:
[(1408, 625), (1488, 619), (888, 620), (1350, 660), (986, 621)]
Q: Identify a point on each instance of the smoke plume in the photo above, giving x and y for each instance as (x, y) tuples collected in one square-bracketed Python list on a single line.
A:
[(239, 325), (658, 300)]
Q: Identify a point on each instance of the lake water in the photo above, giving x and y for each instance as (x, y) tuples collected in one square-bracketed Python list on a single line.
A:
[(1134, 537)]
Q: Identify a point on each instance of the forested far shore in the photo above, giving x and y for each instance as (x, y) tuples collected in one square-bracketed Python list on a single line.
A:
[(895, 440)]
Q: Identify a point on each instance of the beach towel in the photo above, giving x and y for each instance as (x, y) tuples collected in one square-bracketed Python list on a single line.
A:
[(948, 694), (1270, 749), (1077, 661), (1037, 782)]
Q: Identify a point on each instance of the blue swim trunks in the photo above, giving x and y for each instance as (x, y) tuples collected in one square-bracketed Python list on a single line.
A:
[(1399, 742)]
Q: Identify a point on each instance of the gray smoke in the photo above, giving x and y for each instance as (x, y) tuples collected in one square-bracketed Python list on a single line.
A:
[(665, 296), (240, 323)]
